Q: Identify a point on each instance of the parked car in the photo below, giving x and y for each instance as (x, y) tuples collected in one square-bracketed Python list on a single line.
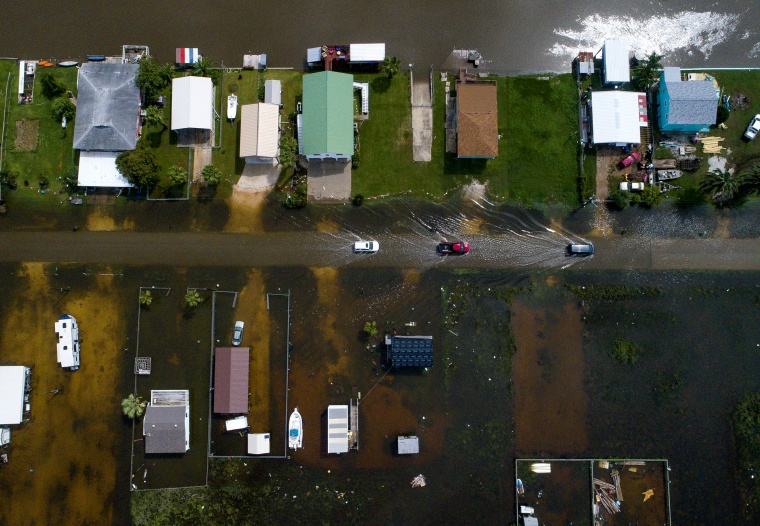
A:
[(580, 249), (630, 159), (366, 246), (631, 186), (753, 128), (457, 247), (237, 333)]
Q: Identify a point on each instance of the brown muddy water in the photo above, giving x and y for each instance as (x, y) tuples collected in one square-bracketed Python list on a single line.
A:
[(512, 35), (477, 408)]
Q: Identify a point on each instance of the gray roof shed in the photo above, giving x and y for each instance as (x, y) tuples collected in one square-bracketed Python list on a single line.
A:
[(108, 107), (408, 445), (164, 429)]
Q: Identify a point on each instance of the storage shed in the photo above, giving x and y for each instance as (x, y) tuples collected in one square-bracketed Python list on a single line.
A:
[(366, 53), (616, 62), (273, 92), (231, 380), (12, 389), (258, 444), (337, 429), (408, 445), (186, 56), (192, 103)]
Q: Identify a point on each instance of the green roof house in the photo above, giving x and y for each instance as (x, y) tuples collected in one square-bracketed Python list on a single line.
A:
[(328, 116)]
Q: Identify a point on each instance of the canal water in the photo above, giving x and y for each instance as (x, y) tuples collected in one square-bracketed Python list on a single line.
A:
[(512, 35)]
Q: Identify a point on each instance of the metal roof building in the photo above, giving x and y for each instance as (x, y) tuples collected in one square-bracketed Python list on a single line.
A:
[(477, 120), (231, 380), (328, 115), (366, 52), (12, 385), (618, 116), (166, 424), (260, 132), (337, 429), (273, 92), (410, 351), (408, 445), (192, 103), (108, 107), (616, 63)]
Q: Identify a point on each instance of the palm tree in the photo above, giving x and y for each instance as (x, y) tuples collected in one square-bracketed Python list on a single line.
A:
[(750, 181), (133, 406), (391, 66), (192, 299), (146, 298), (211, 174), (647, 71), (167, 73), (720, 185), (201, 67), (177, 175), (154, 116)]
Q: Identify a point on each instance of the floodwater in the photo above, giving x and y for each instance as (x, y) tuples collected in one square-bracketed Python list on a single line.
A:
[(511, 35)]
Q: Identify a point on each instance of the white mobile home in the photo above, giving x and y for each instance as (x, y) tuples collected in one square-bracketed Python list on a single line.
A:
[(68, 342)]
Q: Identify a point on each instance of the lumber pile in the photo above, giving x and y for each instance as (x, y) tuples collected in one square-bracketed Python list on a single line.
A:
[(607, 495), (711, 144)]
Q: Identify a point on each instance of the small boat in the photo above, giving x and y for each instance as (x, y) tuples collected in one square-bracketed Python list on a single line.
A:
[(520, 487), (668, 175), (96, 58), (232, 107), (295, 432), (68, 63)]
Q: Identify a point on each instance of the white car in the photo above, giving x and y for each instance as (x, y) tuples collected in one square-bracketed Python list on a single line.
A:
[(366, 247), (237, 334), (753, 128), (629, 186)]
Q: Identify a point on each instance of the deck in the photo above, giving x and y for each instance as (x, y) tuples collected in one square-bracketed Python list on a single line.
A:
[(170, 397)]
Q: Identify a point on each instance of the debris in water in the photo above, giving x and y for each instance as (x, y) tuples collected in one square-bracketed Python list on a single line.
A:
[(418, 481)]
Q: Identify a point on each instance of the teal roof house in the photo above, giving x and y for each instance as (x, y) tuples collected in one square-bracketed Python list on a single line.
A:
[(328, 116), (686, 106)]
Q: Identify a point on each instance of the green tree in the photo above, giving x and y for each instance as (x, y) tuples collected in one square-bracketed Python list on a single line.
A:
[(202, 67), (133, 406), (139, 166), (720, 185), (647, 71), (193, 299), (370, 328), (52, 86), (391, 66), (177, 175), (63, 107), (619, 200), (146, 298), (70, 180), (152, 78), (154, 117), (211, 174), (288, 152), (651, 196)]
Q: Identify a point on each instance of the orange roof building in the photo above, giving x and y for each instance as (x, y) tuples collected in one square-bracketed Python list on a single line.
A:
[(477, 120)]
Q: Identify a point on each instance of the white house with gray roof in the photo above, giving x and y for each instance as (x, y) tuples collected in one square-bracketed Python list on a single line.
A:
[(107, 121), (686, 106)]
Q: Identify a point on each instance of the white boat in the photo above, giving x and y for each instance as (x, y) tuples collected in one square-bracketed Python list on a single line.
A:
[(232, 107), (68, 342), (295, 432), (668, 175)]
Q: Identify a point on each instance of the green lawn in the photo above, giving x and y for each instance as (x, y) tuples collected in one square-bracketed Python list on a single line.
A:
[(53, 154), (537, 160)]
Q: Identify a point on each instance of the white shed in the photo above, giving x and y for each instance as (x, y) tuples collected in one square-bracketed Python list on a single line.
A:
[(408, 445), (314, 55), (366, 52), (337, 429), (618, 116), (192, 103), (617, 65), (99, 169), (12, 385), (273, 92), (258, 443)]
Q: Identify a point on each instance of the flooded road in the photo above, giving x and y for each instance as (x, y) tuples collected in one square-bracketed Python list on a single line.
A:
[(512, 35)]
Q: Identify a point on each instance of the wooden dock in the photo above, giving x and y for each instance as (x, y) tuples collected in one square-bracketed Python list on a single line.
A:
[(353, 435)]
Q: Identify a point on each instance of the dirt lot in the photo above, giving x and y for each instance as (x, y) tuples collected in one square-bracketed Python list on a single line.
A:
[(27, 132)]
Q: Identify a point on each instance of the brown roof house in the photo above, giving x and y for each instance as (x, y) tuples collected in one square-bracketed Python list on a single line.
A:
[(477, 120), (231, 380)]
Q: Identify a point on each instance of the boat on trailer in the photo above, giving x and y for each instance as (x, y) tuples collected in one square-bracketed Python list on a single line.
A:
[(232, 105), (295, 430), (668, 175)]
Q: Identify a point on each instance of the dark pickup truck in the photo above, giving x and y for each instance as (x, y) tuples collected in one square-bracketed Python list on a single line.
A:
[(459, 247)]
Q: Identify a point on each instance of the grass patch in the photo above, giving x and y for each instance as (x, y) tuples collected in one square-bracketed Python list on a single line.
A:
[(625, 352), (612, 292), (745, 421)]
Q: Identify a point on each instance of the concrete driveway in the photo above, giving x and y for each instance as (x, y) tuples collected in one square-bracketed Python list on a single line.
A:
[(329, 180)]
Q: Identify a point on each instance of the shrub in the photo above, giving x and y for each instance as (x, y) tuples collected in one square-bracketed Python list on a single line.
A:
[(297, 198), (70, 180), (358, 200), (211, 174), (52, 86), (139, 166), (288, 152), (619, 200), (722, 115), (371, 328), (63, 107), (624, 351), (177, 175), (651, 196)]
